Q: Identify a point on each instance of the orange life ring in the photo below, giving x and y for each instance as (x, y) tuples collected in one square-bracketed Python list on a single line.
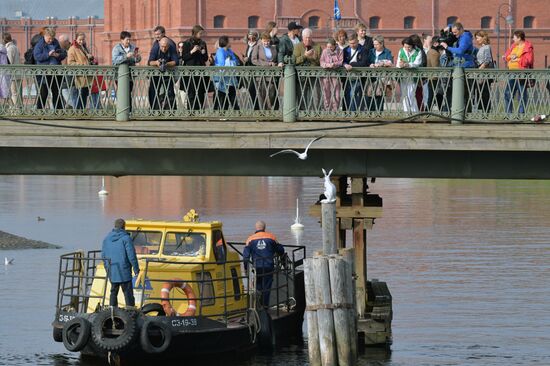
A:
[(165, 296)]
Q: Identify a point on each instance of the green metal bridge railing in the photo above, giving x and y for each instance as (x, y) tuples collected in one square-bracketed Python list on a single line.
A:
[(271, 93)]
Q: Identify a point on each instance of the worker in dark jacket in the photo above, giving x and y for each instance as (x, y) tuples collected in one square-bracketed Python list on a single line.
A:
[(261, 248), (118, 247)]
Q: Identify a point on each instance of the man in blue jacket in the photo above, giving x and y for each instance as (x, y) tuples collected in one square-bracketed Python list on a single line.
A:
[(48, 51), (464, 52), (260, 248), (118, 247)]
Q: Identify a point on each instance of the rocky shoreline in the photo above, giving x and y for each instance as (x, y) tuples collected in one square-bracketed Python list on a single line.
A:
[(9, 242)]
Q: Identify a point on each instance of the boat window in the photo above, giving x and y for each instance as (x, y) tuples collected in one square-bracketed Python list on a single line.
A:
[(218, 243), (236, 287), (206, 288), (186, 244), (146, 242)]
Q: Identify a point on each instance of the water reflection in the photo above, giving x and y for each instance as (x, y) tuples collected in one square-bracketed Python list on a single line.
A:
[(467, 261)]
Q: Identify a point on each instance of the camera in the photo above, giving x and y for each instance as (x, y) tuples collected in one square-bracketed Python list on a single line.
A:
[(447, 37), (162, 65)]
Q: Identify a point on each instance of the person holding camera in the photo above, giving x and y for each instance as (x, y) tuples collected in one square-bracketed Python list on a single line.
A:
[(161, 88), (195, 53), (463, 53), (79, 55), (48, 51)]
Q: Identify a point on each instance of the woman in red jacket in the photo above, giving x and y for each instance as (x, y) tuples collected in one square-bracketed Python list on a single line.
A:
[(518, 57)]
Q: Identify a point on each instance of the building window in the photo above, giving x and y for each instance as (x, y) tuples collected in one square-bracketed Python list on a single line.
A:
[(374, 22), (253, 22), (486, 22), (313, 22), (219, 21), (529, 22), (408, 22), (452, 20)]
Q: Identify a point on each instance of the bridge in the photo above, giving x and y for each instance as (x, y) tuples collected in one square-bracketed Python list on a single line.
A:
[(124, 135)]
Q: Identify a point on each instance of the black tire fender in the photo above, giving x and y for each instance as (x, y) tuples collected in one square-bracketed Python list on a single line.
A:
[(57, 334), (124, 333), (75, 334), (153, 307), (150, 345)]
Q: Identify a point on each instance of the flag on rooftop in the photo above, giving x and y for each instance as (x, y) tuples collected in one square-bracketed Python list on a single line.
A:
[(337, 14)]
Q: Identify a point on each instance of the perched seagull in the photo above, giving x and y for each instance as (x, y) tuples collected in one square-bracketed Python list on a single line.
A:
[(301, 156), (7, 261)]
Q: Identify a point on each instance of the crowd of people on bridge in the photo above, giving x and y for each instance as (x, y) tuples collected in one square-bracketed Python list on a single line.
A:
[(345, 51)]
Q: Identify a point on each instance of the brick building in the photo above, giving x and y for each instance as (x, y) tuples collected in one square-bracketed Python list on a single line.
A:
[(392, 19)]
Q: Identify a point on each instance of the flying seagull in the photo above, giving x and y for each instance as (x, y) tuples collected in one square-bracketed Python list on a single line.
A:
[(301, 156), (7, 261)]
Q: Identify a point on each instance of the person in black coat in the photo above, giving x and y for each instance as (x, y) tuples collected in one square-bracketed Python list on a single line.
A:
[(195, 53), (354, 56)]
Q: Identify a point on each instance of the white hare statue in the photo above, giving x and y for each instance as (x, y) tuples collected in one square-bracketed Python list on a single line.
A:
[(330, 188)]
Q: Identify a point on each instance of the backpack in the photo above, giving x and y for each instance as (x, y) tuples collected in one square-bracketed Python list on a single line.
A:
[(29, 57)]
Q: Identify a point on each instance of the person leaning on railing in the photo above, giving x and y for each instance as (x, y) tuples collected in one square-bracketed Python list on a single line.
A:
[(48, 51), (463, 56), (308, 53), (409, 57), (226, 86), (195, 53), (126, 53), (161, 88), (5, 79), (354, 56), (484, 61), (13, 59), (252, 43), (379, 57), (519, 56), (435, 84), (332, 58), (79, 55), (265, 54)]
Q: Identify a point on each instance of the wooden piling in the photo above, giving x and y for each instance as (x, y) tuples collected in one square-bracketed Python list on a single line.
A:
[(348, 256), (341, 303), (311, 315), (325, 320), (328, 220)]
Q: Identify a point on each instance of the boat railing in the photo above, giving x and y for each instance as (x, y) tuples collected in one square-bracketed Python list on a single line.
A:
[(77, 272), (284, 273)]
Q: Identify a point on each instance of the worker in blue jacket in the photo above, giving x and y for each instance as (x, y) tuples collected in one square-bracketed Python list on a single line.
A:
[(261, 248), (118, 247)]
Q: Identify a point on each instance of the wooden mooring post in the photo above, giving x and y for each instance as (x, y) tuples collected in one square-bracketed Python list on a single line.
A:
[(356, 212)]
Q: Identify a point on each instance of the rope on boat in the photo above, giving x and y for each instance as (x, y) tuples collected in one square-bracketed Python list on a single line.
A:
[(254, 323)]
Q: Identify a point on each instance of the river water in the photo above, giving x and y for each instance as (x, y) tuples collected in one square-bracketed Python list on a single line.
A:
[(467, 261)]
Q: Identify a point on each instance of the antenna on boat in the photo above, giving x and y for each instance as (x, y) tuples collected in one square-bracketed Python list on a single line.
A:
[(103, 191), (297, 225)]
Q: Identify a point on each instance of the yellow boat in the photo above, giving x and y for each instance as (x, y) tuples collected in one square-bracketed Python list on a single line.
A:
[(193, 297)]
